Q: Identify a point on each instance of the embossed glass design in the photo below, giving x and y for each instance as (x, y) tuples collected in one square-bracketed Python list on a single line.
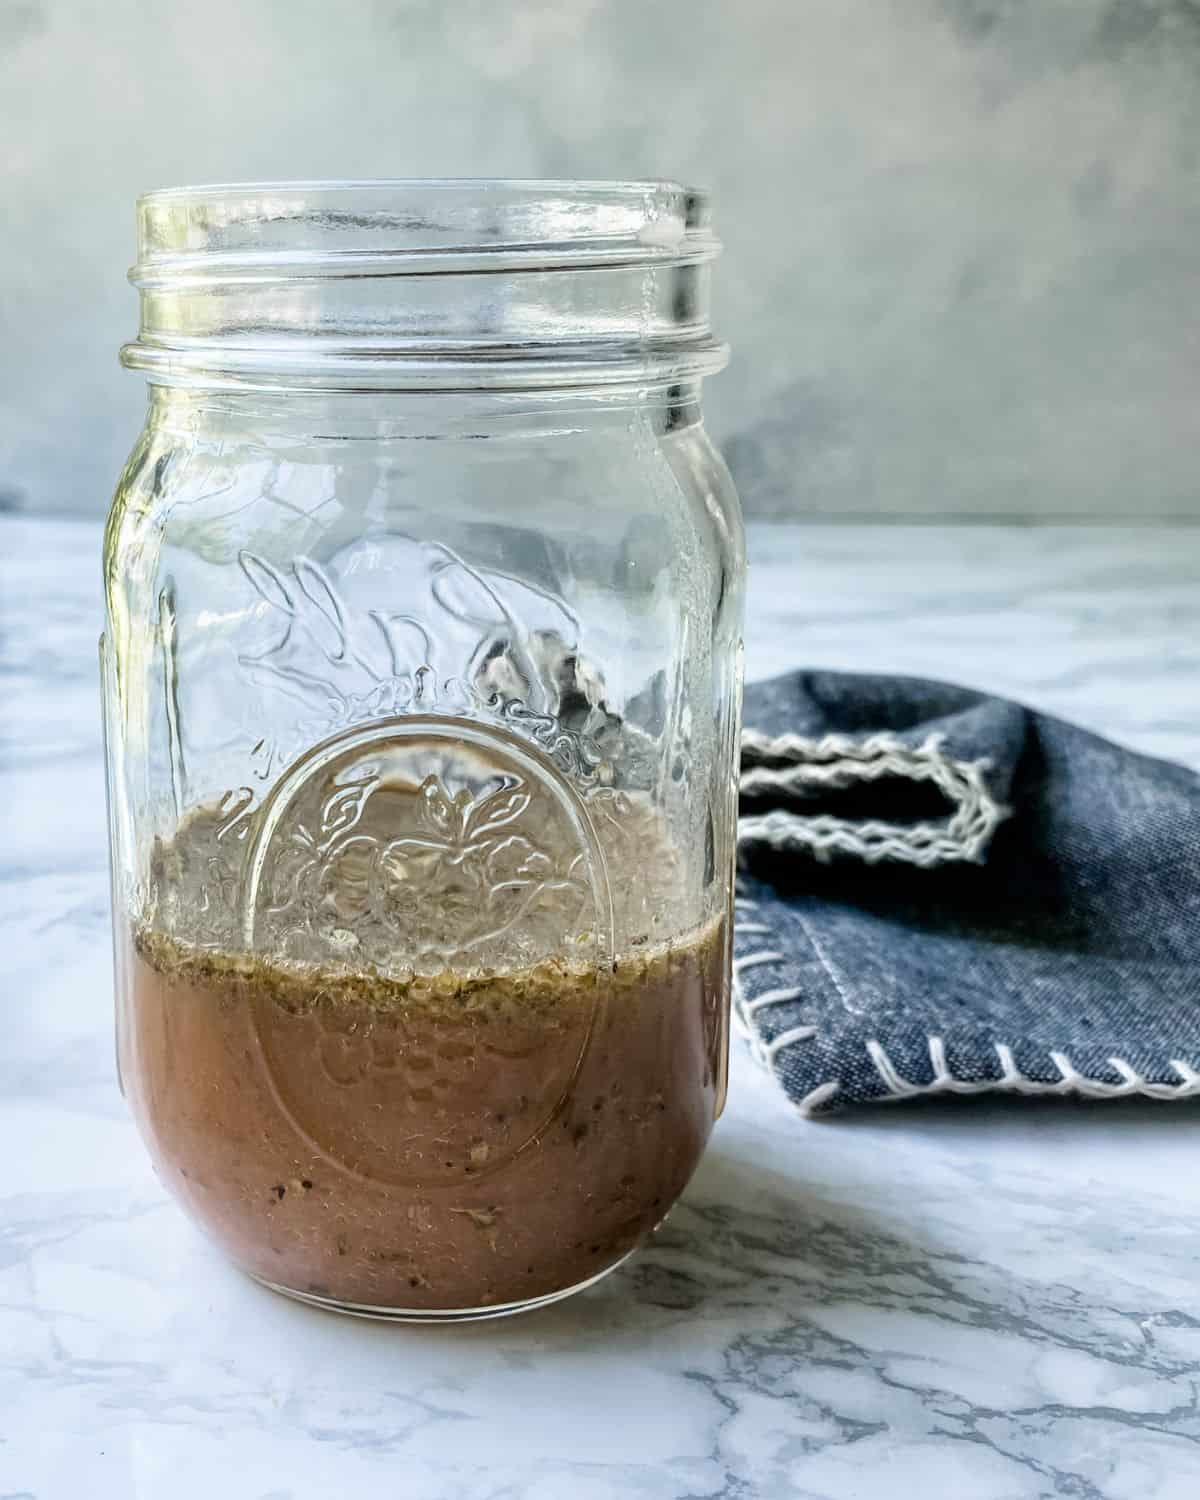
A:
[(421, 679)]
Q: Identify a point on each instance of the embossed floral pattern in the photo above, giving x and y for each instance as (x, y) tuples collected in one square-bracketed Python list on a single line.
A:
[(429, 873)]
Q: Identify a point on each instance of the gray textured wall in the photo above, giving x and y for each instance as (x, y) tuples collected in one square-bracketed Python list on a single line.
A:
[(963, 265)]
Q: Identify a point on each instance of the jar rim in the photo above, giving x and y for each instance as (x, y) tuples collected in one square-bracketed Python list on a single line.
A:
[(416, 225), (528, 281), (585, 185)]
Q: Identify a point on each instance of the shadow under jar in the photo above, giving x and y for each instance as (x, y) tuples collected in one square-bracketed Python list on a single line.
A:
[(421, 682)]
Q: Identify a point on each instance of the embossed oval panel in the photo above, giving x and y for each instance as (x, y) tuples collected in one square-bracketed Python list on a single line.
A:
[(443, 882)]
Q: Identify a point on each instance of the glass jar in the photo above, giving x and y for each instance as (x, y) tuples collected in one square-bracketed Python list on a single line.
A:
[(421, 679)]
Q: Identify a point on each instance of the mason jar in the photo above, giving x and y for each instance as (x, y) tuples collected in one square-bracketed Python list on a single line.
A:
[(421, 679)]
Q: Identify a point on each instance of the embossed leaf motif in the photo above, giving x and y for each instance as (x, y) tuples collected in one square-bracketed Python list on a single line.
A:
[(462, 857), (460, 828), (343, 810), (497, 811), (330, 857)]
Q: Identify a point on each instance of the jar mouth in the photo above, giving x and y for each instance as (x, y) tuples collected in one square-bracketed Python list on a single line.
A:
[(428, 283)]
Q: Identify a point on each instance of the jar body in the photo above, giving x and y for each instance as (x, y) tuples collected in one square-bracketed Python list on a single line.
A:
[(421, 716)]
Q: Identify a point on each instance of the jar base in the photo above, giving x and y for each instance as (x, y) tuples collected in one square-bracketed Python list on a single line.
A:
[(438, 1315)]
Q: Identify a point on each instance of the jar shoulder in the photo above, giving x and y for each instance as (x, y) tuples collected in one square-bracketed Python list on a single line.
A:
[(703, 476), (141, 502), (657, 499)]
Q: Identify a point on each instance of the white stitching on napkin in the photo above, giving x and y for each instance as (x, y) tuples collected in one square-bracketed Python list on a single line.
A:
[(836, 761), (1012, 1080), (765, 1052)]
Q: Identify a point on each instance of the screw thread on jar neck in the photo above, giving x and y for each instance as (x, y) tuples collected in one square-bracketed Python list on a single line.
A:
[(426, 286)]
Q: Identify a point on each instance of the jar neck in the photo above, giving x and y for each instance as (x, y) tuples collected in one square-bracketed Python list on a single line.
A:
[(350, 416), (422, 286)]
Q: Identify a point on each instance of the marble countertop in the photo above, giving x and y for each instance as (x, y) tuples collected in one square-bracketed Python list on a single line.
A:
[(977, 1300)]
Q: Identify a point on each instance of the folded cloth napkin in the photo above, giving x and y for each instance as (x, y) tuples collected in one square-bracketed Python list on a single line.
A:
[(944, 892)]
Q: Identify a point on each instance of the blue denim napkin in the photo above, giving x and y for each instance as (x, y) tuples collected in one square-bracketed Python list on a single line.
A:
[(943, 892)]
